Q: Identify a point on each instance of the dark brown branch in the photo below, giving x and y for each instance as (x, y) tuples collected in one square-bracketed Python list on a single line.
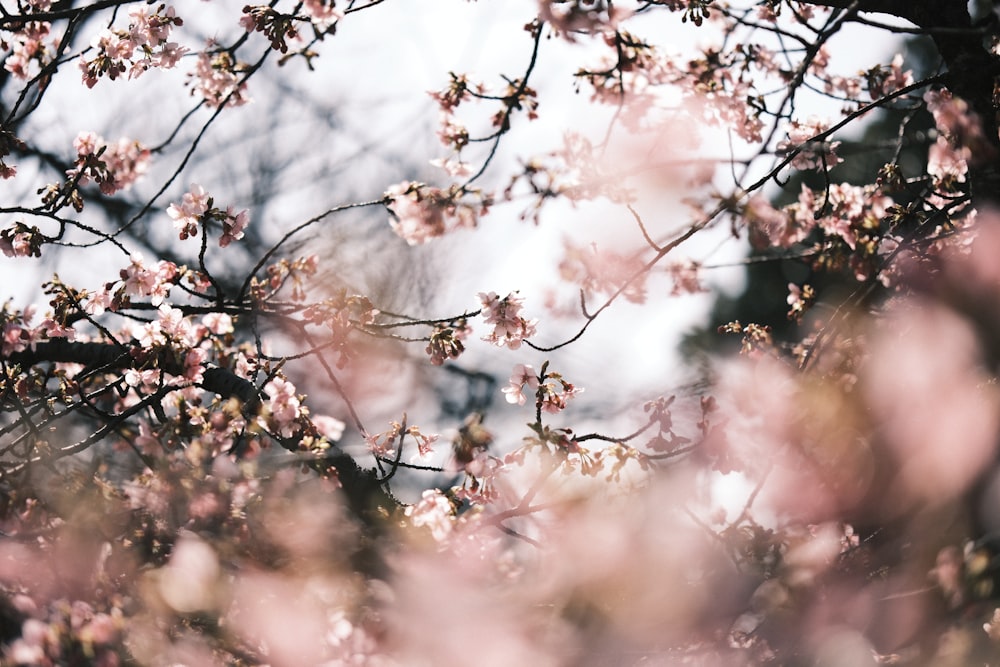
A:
[(362, 487)]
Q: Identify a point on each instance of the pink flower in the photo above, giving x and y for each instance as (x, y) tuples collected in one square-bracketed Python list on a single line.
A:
[(423, 440), (421, 212), (416, 219), (554, 393), (882, 82), (216, 79), (323, 13), (283, 405), (26, 46), (509, 327), (434, 511), (329, 427), (194, 364), (522, 375), (188, 214), (233, 226), (117, 167), (946, 164), (14, 243), (218, 323), (819, 155), (13, 341)]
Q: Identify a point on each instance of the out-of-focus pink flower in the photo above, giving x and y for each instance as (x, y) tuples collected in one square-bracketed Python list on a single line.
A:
[(926, 401), (330, 428), (189, 582), (809, 153)]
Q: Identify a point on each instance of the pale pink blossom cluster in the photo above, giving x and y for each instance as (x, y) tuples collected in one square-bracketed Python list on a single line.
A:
[(233, 225), (141, 46), (686, 277), (551, 391), (947, 164), (329, 427), (13, 339), (187, 215), (170, 326), (113, 166), (510, 328), (384, 444), (197, 206), (19, 240), (582, 173), (848, 87), (953, 117), (523, 376), (453, 166), (882, 81), (732, 109), (216, 77), (628, 75), (283, 407), (135, 280), (27, 46), (960, 136), (421, 212), (842, 211), (433, 511), (18, 333), (322, 13), (800, 299), (39, 643), (573, 17), (451, 131), (341, 315), (598, 270), (808, 152)]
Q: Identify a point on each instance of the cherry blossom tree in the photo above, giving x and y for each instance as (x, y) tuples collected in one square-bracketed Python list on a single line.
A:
[(195, 460)]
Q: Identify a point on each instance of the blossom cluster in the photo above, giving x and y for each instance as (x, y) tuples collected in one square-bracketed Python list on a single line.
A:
[(421, 212), (196, 209), (28, 46), (113, 166), (510, 328), (550, 390), (597, 270), (573, 17), (217, 79), (806, 151), (20, 334), (389, 443), (340, 315), (284, 406), (144, 44), (960, 136), (433, 511), (848, 212), (20, 240), (136, 279)]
